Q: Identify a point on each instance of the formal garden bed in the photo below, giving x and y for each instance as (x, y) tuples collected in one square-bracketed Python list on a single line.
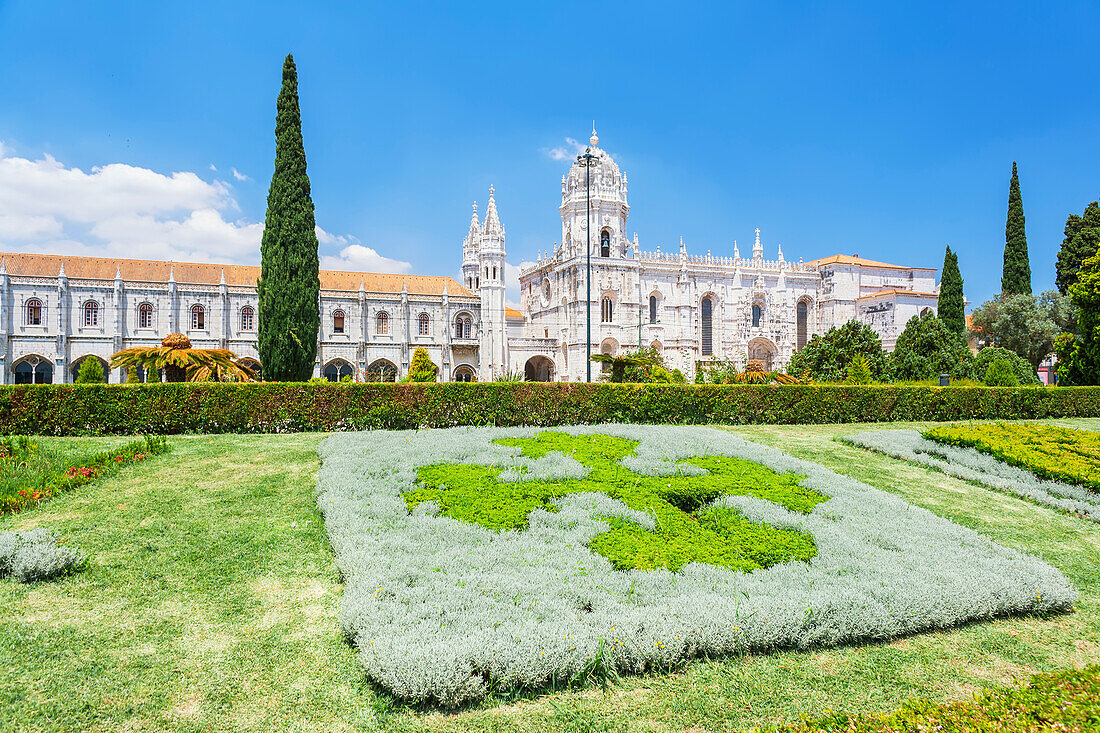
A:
[(479, 561), (1050, 465), (31, 473)]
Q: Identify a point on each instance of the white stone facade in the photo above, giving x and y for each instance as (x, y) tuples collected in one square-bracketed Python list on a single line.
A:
[(692, 307), (56, 311)]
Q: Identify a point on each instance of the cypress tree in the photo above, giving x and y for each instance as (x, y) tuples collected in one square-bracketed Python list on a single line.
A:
[(951, 305), (1082, 240), (1016, 276), (289, 283)]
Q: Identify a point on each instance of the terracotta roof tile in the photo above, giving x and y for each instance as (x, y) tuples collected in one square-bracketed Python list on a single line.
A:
[(513, 314), (852, 260), (198, 273)]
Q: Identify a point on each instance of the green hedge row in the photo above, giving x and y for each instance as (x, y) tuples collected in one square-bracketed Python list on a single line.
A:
[(291, 407)]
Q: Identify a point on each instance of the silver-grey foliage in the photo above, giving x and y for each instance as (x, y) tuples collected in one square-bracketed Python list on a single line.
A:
[(443, 610), (35, 555), (970, 464)]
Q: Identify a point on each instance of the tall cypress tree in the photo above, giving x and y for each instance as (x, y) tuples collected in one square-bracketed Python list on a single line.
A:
[(1016, 276), (951, 304), (289, 283), (1082, 241)]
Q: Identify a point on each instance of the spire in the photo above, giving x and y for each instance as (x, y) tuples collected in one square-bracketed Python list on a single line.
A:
[(682, 249), (781, 253), (223, 277), (3, 266), (757, 249), (475, 225), (362, 288), (171, 273), (736, 254), (492, 221), (594, 140), (61, 271), (118, 272)]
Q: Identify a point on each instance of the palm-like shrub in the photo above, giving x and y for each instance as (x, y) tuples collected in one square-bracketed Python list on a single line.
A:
[(183, 363)]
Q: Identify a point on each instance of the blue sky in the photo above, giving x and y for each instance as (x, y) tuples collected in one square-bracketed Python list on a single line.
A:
[(886, 130)]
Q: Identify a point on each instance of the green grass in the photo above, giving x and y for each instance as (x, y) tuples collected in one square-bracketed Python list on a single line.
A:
[(685, 530), (210, 603)]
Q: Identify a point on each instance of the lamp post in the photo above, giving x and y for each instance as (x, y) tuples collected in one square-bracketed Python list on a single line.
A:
[(588, 159)]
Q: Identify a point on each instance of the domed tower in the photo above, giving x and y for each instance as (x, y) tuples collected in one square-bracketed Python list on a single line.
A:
[(494, 344), (609, 206), (470, 247)]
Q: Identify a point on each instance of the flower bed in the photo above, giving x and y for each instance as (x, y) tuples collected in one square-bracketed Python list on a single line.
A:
[(30, 474), (484, 558), (1058, 454), (977, 467)]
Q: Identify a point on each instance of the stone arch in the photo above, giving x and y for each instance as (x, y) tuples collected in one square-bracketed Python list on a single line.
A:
[(925, 311), (464, 325), (382, 370), (539, 369), (337, 369), (254, 366), (75, 366), (32, 369), (763, 350), (464, 373)]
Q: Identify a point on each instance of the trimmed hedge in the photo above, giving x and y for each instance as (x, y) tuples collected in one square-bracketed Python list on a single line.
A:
[(209, 407)]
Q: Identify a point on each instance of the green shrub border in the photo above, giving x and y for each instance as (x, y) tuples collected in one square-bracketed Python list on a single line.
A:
[(209, 407)]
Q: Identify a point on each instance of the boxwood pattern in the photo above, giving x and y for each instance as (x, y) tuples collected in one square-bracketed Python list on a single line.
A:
[(443, 611)]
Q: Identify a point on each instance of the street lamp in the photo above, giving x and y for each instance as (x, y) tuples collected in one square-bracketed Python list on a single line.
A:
[(588, 159)]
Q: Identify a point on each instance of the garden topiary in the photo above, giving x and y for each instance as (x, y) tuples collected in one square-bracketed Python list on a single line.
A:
[(1020, 366), (422, 369), (1000, 374), (91, 371)]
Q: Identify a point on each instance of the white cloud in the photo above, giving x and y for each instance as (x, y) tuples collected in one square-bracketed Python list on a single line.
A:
[(358, 258), (570, 150), (240, 176), (120, 210), (213, 168)]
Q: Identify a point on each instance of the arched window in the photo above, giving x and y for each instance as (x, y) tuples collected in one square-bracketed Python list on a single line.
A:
[(91, 314), (423, 324), (336, 370), (464, 327), (248, 318), (34, 312), (605, 243), (757, 314), (801, 323), (382, 371), (464, 374), (33, 370), (653, 309), (382, 323), (606, 310), (707, 312), (494, 272), (145, 315), (338, 323), (198, 318)]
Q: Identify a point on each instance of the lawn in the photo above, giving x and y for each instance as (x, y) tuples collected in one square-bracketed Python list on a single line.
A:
[(211, 598)]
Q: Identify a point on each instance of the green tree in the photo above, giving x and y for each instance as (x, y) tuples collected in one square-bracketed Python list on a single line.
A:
[(1021, 323), (859, 371), (421, 369), (1020, 366), (928, 348), (289, 283), (90, 372), (1000, 374), (1082, 240), (1079, 355), (826, 357), (952, 305), (133, 376), (1016, 276)]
